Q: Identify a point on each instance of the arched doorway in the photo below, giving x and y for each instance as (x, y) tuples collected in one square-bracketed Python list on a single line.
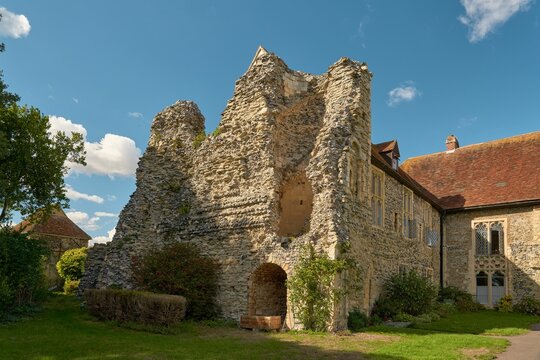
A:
[(267, 292)]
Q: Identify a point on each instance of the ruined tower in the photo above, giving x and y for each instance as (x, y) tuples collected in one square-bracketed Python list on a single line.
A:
[(290, 152)]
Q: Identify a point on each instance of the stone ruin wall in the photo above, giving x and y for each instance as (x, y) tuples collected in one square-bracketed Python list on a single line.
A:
[(281, 137)]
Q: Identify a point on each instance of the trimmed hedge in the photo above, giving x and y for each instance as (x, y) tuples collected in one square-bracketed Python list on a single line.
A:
[(135, 306)]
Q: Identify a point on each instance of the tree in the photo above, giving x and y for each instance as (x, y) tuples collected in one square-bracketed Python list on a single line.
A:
[(32, 161)]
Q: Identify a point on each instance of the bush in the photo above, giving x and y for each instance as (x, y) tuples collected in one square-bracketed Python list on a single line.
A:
[(180, 269), (71, 264), (357, 320), (444, 309), (71, 286), (504, 304), (462, 300), (312, 291), (528, 305), (385, 308), (21, 271), (410, 293), (402, 317), (141, 307)]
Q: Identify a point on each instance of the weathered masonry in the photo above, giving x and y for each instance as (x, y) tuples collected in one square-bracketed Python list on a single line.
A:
[(290, 164)]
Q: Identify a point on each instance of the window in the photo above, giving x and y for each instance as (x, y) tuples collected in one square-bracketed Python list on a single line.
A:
[(497, 287), (396, 222), (482, 288), (409, 227), (489, 238), (490, 288), (377, 197)]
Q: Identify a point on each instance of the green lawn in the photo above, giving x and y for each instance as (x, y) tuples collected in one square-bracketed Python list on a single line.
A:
[(487, 322), (64, 331)]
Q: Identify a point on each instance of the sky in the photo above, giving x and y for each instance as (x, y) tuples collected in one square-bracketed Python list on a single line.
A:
[(105, 68)]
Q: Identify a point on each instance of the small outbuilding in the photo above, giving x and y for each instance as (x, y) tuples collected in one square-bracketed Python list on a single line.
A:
[(60, 234)]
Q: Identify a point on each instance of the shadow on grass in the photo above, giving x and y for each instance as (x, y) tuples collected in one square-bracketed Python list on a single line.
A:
[(65, 331)]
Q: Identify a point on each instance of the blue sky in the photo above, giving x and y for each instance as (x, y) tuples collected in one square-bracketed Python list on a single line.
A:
[(463, 67)]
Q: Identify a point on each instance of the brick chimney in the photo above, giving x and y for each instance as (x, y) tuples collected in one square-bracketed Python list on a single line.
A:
[(452, 143)]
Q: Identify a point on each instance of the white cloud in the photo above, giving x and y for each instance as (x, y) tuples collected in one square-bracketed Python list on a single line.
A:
[(483, 16), (84, 220), (113, 155), (102, 239), (13, 25), (105, 214), (111, 197), (406, 92), (75, 195), (75, 100), (59, 123), (135, 114)]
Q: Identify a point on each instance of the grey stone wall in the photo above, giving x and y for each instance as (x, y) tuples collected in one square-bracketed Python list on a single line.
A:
[(225, 194), (520, 263)]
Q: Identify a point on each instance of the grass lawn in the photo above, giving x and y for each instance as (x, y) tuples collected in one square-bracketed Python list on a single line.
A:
[(487, 322), (64, 331)]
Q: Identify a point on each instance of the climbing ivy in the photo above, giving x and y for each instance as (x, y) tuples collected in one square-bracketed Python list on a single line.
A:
[(313, 293)]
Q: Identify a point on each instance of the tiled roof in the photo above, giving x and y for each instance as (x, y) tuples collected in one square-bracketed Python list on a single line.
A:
[(388, 146), (491, 173), (58, 224), (381, 161)]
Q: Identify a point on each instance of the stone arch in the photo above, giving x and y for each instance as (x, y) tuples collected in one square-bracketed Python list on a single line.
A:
[(268, 292)]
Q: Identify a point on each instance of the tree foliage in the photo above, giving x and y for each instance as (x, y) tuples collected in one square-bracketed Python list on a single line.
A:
[(32, 161), (410, 293), (313, 293), (21, 271), (71, 264)]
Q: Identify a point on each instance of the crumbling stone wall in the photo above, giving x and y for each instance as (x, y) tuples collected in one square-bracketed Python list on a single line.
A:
[(520, 263), (228, 194)]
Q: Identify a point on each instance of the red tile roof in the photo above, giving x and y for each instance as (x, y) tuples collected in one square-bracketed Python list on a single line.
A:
[(381, 161), (58, 224), (491, 173)]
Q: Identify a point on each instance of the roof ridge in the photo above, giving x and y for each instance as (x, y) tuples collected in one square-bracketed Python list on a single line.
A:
[(498, 141)]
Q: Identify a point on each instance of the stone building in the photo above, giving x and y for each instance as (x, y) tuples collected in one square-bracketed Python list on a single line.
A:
[(60, 234), (290, 164)]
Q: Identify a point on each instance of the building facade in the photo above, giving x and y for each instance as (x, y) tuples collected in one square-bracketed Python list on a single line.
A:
[(290, 164)]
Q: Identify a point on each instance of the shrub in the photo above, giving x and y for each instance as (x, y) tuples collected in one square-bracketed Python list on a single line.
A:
[(444, 309), (312, 291), (71, 286), (199, 139), (402, 317), (21, 271), (504, 304), (385, 308), (528, 305), (141, 307), (357, 320), (463, 301), (410, 293), (71, 264), (180, 269)]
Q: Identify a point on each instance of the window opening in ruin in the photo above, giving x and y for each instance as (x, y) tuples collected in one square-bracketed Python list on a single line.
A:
[(296, 205), (377, 197), (489, 242), (354, 172), (268, 292)]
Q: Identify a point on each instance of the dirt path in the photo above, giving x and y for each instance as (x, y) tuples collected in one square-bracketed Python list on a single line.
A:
[(523, 347)]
